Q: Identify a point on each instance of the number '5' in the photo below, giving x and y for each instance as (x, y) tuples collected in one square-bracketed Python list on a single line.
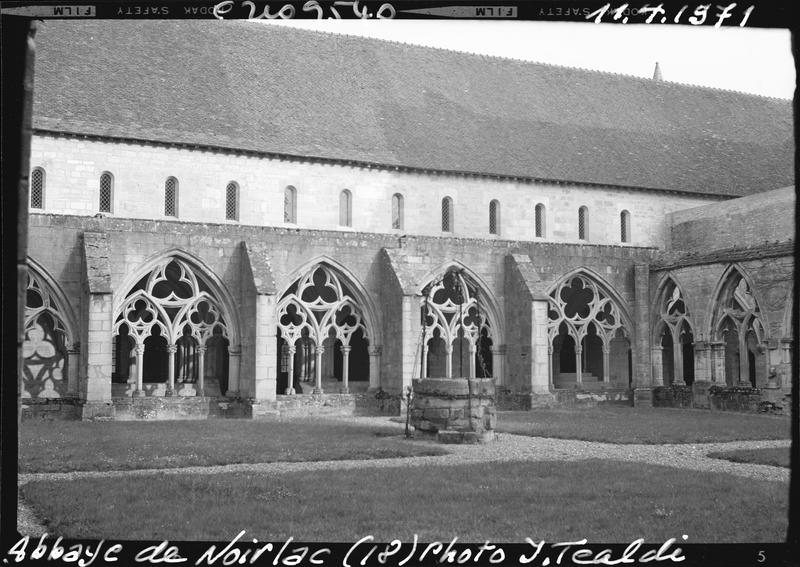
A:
[(761, 556)]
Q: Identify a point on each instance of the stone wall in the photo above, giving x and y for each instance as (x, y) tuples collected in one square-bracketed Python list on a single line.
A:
[(73, 168)]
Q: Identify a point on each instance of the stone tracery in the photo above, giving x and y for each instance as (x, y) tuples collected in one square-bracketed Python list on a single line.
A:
[(673, 348)]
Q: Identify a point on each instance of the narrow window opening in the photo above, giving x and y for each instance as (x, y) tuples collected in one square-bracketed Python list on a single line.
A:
[(106, 192), (583, 223), (171, 197), (290, 204), (540, 228), (345, 208), (447, 214), (232, 201), (37, 188), (397, 211), (494, 217), (625, 226)]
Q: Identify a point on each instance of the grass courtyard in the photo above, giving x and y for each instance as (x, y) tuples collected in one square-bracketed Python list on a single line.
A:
[(599, 499)]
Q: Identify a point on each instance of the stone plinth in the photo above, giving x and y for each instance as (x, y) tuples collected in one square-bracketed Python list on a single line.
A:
[(459, 410)]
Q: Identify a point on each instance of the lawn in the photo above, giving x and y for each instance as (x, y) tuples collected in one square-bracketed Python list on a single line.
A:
[(615, 424), (99, 446), (603, 501), (775, 456)]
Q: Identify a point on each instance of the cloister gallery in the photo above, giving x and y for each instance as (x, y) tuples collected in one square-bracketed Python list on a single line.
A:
[(192, 255)]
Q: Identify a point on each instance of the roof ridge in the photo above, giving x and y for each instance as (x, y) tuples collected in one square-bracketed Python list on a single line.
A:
[(648, 80)]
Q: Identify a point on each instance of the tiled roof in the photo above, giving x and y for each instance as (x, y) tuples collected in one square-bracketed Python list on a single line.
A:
[(262, 88)]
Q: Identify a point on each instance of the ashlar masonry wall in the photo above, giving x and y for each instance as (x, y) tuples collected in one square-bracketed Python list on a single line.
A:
[(74, 165)]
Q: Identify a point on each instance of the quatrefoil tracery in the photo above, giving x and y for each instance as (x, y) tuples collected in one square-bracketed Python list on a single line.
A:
[(581, 305)]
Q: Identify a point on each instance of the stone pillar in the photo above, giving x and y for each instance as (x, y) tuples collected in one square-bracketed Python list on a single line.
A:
[(578, 364), (98, 348), (73, 360), (658, 368), (234, 360), (345, 369), (472, 350), (606, 363), (201, 359), (541, 358), (702, 370), (320, 350), (498, 363), (718, 363), (677, 357), (374, 367), (290, 371), (412, 333), (642, 379), (423, 373), (139, 392), (448, 362), (171, 351), (265, 344)]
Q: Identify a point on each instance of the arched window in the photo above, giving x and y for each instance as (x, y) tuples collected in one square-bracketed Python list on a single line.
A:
[(494, 217), (37, 188), (625, 226), (106, 192), (232, 201), (583, 223), (540, 226), (345, 208), (290, 204), (447, 214), (397, 211), (171, 197)]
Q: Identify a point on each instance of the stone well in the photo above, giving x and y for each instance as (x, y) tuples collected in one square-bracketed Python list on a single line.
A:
[(456, 410)]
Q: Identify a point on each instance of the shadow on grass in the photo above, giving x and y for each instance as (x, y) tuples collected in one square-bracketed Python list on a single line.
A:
[(774, 456), (87, 446), (601, 500), (614, 424)]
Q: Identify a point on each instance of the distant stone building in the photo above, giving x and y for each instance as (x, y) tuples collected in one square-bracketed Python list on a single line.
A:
[(226, 217)]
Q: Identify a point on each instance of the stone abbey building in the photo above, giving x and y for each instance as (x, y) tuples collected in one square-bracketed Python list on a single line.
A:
[(235, 219)]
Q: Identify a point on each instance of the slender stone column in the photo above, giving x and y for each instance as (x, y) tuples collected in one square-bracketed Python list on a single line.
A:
[(423, 373), (201, 359), (139, 369), (290, 374), (318, 370), (550, 366), (718, 363), (656, 353), (345, 369), (171, 351), (606, 363), (374, 367), (578, 364), (73, 360), (472, 350), (448, 363), (234, 359)]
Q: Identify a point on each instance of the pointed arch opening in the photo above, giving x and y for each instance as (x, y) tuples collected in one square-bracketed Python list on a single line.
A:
[(673, 336), (324, 334), (589, 334), (49, 347), (739, 324), (173, 329), (459, 327), (398, 220)]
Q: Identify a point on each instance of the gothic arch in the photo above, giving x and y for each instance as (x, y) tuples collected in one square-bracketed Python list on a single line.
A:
[(787, 329), (493, 310), (722, 289), (590, 332), (50, 345)]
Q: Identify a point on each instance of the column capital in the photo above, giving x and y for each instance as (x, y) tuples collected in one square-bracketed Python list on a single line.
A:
[(606, 348), (578, 349), (201, 348), (345, 348), (292, 348), (374, 350), (74, 348), (140, 349), (473, 347), (320, 350), (499, 349), (235, 350), (172, 349)]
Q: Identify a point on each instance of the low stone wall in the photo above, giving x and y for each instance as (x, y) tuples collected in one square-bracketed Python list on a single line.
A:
[(308, 405), (50, 409), (592, 398), (705, 395), (454, 404), (159, 408)]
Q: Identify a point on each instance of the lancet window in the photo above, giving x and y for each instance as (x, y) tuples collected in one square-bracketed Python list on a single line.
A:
[(456, 334), (171, 333), (738, 325), (322, 334), (47, 342), (588, 337), (674, 348)]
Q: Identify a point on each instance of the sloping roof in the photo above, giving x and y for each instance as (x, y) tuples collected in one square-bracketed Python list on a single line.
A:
[(262, 88)]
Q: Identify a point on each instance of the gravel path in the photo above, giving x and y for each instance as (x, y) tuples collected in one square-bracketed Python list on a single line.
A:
[(505, 448)]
